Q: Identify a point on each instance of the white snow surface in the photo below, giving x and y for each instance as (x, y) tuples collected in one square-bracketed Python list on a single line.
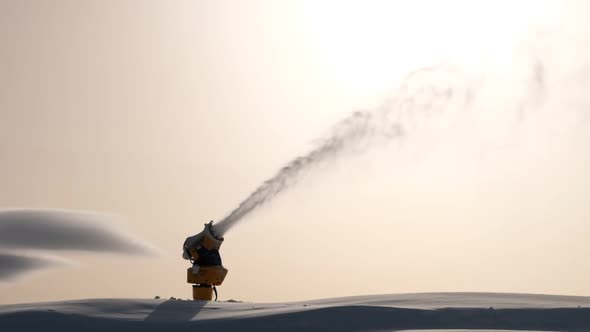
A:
[(397, 312)]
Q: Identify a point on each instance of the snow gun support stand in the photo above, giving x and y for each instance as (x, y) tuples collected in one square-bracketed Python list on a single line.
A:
[(207, 272)]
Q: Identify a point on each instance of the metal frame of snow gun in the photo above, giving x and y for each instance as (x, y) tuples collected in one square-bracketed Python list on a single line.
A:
[(207, 272)]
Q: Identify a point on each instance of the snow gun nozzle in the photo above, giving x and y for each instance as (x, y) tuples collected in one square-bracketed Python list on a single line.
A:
[(212, 231)]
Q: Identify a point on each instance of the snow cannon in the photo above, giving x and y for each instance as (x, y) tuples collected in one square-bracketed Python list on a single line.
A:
[(206, 272)]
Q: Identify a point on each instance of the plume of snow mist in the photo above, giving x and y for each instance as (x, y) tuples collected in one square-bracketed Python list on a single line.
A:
[(30, 229), (14, 266), (423, 96)]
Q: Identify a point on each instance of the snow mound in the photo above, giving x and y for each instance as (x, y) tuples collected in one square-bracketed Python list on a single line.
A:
[(426, 311)]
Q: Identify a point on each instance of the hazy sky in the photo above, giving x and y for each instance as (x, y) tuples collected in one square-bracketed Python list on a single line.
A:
[(169, 113)]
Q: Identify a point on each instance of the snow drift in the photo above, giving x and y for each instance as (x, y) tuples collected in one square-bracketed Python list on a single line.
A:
[(364, 313)]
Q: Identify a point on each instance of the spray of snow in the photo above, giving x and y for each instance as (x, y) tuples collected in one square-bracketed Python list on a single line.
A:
[(429, 98), (544, 75)]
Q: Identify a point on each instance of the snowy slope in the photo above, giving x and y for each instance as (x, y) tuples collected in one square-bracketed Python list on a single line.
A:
[(363, 313)]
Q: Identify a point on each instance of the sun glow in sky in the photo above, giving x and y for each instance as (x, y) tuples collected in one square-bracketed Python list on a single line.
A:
[(369, 44)]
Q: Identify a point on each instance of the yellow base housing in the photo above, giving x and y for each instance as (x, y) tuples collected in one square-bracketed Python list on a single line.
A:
[(211, 275), (204, 280), (201, 293)]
